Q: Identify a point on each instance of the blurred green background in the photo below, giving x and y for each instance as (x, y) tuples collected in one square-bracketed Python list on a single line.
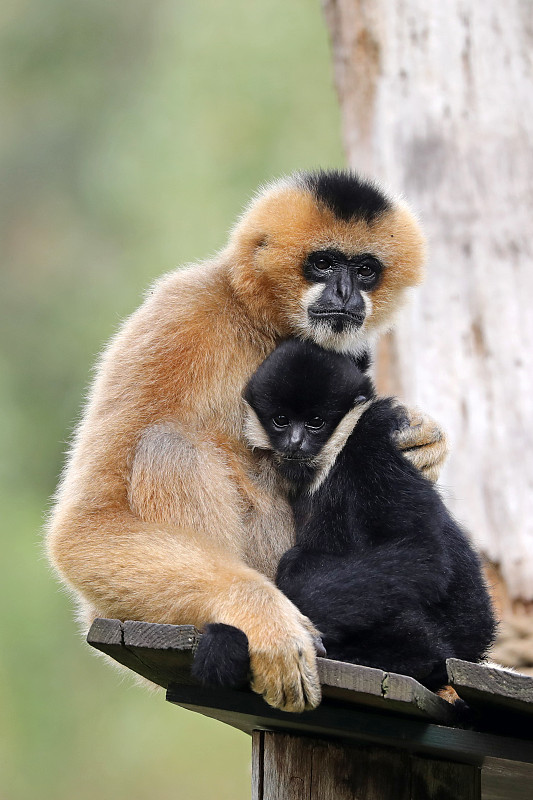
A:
[(131, 136)]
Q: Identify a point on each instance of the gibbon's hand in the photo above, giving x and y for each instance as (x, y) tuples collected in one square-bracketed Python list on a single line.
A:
[(283, 661), (423, 443)]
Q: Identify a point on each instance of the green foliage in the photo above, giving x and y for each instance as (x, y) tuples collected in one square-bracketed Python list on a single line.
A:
[(132, 134)]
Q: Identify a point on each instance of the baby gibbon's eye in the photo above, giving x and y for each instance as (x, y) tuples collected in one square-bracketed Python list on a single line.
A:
[(280, 421), (315, 424), (362, 398)]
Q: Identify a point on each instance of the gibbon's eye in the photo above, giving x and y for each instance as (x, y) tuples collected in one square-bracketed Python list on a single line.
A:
[(280, 421), (362, 398), (322, 262), (366, 271), (315, 424)]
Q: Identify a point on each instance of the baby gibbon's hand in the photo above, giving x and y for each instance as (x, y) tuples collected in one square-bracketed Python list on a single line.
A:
[(423, 443), (283, 661)]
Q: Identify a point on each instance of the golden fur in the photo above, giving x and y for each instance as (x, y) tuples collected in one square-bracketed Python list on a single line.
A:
[(163, 513)]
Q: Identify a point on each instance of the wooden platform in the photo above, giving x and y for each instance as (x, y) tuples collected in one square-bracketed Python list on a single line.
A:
[(361, 707)]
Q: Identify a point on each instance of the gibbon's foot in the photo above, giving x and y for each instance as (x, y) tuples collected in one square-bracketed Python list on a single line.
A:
[(423, 443), (284, 669), (221, 658)]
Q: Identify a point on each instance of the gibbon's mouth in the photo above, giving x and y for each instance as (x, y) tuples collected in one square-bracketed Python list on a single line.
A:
[(335, 317), (301, 459)]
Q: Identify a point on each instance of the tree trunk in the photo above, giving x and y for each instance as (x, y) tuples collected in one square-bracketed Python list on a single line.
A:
[(437, 102)]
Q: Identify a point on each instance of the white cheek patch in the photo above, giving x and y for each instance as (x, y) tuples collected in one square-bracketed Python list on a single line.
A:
[(254, 433), (367, 300), (351, 340), (311, 295)]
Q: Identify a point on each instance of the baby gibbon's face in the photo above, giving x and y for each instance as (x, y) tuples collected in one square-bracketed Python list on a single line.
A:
[(297, 439), (297, 398)]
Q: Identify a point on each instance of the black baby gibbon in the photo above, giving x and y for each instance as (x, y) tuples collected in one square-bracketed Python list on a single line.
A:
[(379, 565)]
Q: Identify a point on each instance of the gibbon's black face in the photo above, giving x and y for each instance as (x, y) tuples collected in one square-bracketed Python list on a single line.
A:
[(326, 256), (299, 394), (341, 303)]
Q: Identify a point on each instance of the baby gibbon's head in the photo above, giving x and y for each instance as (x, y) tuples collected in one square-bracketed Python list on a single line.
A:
[(326, 256), (296, 399)]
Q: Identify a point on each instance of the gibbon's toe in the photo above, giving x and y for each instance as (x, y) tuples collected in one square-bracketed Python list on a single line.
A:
[(287, 679)]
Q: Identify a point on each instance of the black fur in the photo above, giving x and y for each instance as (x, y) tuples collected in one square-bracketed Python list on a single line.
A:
[(222, 658), (379, 565), (346, 194), (275, 390), (363, 361)]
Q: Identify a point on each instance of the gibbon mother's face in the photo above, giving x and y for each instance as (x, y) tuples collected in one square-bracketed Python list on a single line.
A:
[(327, 257)]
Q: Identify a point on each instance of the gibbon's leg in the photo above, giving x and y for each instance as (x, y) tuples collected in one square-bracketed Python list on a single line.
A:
[(423, 443), (130, 569), (173, 557)]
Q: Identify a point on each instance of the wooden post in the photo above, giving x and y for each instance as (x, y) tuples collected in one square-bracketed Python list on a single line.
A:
[(286, 767)]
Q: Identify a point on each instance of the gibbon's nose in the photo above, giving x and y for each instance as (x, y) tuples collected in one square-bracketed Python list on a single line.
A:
[(295, 438), (344, 286)]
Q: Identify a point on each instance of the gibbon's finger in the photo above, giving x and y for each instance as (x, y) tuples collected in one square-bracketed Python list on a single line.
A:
[(300, 692), (288, 680), (423, 443), (280, 688), (429, 459), (311, 686)]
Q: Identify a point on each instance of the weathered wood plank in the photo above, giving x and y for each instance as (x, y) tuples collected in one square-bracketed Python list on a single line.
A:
[(443, 780), (352, 683), (163, 653), (160, 637), (166, 650), (401, 689), (159, 653), (249, 712), (107, 635), (490, 688)]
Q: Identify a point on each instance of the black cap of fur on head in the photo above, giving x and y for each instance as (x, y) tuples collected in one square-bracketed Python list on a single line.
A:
[(302, 377), (346, 194)]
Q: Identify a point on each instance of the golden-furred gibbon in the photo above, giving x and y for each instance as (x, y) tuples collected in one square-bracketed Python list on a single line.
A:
[(164, 513)]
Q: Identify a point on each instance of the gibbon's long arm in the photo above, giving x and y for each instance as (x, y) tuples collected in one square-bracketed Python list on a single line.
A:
[(163, 513)]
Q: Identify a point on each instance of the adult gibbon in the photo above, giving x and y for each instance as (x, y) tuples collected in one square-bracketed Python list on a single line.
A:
[(164, 514), (379, 565)]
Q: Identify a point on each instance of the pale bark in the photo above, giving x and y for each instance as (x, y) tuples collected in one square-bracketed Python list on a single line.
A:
[(437, 102)]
